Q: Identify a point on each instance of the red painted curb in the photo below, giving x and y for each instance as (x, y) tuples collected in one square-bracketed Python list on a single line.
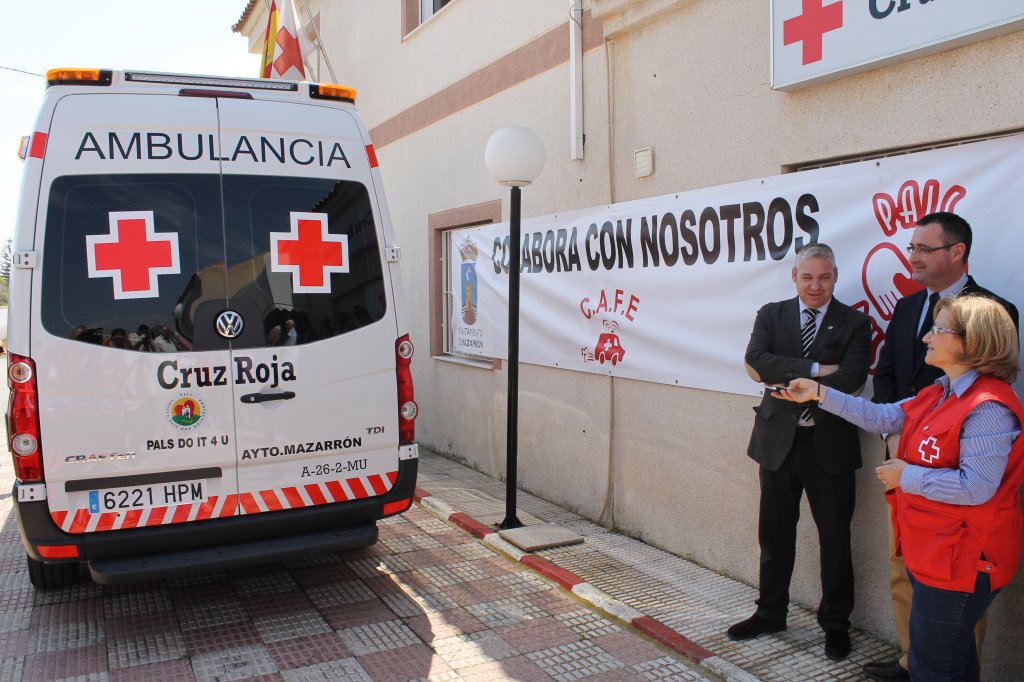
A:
[(672, 639), (565, 578), (654, 629), (470, 525)]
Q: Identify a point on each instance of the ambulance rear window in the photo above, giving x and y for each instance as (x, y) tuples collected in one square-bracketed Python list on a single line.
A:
[(129, 260), (314, 222)]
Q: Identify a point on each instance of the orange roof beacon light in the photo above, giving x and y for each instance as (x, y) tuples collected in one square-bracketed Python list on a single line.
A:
[(67, 76), (332, 91)]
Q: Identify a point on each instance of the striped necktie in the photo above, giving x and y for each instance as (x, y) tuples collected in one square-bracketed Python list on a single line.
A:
[(806, 339)]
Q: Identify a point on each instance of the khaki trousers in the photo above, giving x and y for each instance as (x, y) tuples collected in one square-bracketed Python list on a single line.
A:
[(899, 586)]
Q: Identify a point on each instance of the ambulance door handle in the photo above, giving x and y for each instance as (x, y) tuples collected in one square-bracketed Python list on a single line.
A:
[(251, 398)]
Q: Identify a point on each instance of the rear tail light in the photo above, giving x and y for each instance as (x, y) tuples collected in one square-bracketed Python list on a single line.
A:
[(407, 407), (23, 419), (397, 507), (58, 551)]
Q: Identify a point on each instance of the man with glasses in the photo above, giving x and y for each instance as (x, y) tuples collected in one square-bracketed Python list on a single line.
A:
[(938, 251)]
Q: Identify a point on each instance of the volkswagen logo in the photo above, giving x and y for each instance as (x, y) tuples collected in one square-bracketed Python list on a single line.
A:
[(229, 324)]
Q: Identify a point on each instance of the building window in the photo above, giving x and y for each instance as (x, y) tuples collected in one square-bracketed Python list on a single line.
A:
[(446, 292), (897, 151), (415, 12), (429, 7), (459, 296)]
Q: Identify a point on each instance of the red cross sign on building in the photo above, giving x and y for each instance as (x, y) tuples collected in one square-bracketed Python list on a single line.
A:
[(309, 252), (811, 25), (133, 254)]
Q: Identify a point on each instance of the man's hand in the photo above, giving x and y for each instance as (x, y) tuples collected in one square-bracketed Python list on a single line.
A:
[(889, 472)]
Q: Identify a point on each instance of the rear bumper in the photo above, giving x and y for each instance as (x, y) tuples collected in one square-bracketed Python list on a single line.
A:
[(152, 552)]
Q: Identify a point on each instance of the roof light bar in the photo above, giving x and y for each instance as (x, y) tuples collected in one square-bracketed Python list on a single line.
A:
[(66, 76), (332, 91), (213, 81)]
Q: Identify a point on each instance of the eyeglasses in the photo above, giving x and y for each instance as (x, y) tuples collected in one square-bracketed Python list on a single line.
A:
[(935, 330), (922, 250)]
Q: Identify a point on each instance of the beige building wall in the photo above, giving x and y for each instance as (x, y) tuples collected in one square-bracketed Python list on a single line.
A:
[(689, 78)]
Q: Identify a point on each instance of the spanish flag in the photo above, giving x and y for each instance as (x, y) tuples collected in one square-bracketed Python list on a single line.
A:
[(286, 44)]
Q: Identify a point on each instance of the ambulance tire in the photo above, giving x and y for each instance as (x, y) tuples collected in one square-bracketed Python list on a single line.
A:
[(51, 576)]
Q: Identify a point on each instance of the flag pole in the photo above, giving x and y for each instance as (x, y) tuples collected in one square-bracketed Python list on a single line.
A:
[(319, 42)]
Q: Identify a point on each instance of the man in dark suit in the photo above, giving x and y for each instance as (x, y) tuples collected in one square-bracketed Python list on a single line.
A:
[(800, 447), (938, 256)]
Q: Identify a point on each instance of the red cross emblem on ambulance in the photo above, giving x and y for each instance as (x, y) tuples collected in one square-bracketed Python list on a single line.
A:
[(309, 252), (133, 254)]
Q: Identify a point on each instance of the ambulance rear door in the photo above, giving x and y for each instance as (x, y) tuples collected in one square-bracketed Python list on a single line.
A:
[(136, 414), (315, 395)]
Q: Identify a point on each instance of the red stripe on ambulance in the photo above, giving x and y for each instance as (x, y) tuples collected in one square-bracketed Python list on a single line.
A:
[(276, 499), (357, 488), (106, 521), (337, 492), (156, 516), (315, 494), (294, 498), (270, 499), (181, 513), (379, 486), (131, 519), (207, 508)]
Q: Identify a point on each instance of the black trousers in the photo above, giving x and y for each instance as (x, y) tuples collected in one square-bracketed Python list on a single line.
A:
[(832, 498)]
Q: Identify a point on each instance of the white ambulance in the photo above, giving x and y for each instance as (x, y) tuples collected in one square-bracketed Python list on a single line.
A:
[(208, 357)]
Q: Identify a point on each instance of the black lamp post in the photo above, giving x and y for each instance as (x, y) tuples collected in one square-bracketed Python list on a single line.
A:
[(514, 156)]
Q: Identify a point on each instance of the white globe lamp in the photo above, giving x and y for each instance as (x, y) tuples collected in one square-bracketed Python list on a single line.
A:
[(514, 156)]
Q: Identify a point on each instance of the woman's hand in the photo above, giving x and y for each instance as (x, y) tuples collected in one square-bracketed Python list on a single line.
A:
[(890, 471), (799, 391)]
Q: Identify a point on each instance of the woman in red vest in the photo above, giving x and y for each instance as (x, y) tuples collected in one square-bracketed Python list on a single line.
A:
[(954, 482)]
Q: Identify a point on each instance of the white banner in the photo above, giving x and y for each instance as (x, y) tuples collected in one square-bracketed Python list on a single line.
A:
[(820, 40), (665, 289)]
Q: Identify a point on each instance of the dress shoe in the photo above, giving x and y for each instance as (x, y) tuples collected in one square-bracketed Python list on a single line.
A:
[(837, 644), (886, 670), (754, 626)]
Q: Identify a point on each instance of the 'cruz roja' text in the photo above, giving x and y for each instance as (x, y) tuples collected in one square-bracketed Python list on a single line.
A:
[(169, 375)]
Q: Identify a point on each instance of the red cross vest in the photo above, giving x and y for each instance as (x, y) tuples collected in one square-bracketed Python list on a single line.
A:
[(943, 544)]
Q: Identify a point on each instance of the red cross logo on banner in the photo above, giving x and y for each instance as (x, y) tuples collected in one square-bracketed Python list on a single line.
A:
[(810, 27), (929, 450), (309, 252), (133, 254)]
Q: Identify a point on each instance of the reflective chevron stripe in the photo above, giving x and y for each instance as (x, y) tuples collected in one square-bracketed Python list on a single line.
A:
[(275, 499)]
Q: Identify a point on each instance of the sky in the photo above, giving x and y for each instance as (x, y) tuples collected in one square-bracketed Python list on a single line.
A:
[(184, 36)]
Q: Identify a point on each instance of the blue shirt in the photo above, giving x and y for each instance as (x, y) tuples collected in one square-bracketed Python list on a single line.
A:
[(985, 440)]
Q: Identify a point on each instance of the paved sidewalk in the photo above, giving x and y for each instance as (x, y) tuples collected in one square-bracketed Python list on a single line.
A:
[(427, 603), (678, 603)]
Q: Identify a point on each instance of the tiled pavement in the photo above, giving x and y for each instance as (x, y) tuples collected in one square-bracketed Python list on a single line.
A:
[(428, 602), (689, 606)]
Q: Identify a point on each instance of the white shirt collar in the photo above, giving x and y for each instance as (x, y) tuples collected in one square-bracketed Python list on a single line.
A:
[(822, 310), (953, 289)]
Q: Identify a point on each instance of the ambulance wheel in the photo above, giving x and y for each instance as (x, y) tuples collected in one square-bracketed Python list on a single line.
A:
[(51, 576)]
